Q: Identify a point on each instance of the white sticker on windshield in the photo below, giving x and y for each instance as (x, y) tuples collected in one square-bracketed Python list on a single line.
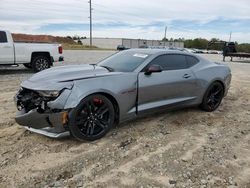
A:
[(141, 55)]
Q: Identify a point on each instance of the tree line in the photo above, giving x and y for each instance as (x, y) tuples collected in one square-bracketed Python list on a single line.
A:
[(213, 44)]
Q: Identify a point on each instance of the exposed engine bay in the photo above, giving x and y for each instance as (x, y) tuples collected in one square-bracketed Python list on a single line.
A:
[(29, 99)]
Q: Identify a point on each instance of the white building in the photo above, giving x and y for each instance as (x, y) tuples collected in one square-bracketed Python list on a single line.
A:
[(112, 43)]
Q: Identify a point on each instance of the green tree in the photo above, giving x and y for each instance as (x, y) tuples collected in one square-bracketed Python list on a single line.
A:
[(165, 39), (198, 43), (243, 48)]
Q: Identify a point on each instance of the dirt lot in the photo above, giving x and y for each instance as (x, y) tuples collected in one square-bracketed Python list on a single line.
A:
[(185, 148)]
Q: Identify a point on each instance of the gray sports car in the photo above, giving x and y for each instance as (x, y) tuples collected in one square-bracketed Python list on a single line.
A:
[(87, 100)]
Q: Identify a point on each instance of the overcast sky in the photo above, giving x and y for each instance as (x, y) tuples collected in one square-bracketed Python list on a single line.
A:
[(130, 18)]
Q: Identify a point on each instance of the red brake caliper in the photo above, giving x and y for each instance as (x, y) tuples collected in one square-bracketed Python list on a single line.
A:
[(97, 101)]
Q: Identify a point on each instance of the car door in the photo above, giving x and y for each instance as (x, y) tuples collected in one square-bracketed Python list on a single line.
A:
[(6, 49), (175, 85)]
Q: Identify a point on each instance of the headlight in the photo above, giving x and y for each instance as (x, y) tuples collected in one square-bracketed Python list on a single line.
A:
[(49, 93)]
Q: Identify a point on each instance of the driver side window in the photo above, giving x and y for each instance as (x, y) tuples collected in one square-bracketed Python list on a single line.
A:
[(170, 62), (3, 37)]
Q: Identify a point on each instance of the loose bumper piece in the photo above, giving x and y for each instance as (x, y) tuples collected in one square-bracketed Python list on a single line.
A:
[(49, 132)]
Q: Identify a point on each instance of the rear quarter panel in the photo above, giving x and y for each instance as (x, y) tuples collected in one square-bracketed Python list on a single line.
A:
[(209, 72)]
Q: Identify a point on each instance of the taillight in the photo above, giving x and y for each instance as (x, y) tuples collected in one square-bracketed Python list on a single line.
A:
[(60, 49)]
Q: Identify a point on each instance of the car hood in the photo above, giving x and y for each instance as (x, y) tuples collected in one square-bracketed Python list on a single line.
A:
[(58, 78)]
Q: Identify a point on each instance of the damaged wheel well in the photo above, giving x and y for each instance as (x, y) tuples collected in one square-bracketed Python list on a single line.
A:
[(115, 104)]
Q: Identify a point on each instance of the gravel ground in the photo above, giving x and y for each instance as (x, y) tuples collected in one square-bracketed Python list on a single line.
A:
[(184, 148)]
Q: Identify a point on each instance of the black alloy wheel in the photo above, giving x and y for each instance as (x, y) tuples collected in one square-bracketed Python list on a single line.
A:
[(213, 97), (92, 118)]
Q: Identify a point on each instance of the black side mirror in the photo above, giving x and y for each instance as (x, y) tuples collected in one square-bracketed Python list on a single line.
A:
[(153, 68)]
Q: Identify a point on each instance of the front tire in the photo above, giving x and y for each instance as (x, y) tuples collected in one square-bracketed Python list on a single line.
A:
[(92, 118), (213, 97), (40, 63)]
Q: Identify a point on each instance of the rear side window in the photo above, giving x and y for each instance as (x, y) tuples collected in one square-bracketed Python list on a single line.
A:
[(171, 62), (191, 61), (3, 37)]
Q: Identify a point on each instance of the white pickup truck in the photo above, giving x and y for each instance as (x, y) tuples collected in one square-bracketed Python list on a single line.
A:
[(36, 56)]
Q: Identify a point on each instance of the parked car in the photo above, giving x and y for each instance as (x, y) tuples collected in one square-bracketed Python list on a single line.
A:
[(36, 56), (158, 47), (213, 52), (189, 50), (144, 46), (88, 100), (198, 51), (122, 47)]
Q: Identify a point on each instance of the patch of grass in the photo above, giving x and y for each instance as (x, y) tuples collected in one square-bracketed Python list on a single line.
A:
[(82, 47)]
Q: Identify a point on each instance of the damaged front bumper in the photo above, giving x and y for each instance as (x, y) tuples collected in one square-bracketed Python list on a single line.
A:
[(48, 124), (42, 114)]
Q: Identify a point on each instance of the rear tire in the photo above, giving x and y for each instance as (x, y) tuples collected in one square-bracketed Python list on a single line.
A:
[(92, 118), (40, 63), (213, 97)]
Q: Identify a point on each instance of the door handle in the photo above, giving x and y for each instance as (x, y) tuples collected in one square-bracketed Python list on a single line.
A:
[(186, 76)]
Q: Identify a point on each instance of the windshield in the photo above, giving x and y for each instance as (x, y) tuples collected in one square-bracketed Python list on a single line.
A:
[(125, 61)]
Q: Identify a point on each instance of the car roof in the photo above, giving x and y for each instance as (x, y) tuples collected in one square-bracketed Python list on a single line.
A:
[(156, 51)]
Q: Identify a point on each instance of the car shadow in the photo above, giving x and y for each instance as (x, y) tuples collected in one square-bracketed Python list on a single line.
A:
[(8, 71), (157, 115), (72, 142)]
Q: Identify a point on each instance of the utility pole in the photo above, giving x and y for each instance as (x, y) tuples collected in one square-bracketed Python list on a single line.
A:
[(230, 36), (165, 35), (90, 23)]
